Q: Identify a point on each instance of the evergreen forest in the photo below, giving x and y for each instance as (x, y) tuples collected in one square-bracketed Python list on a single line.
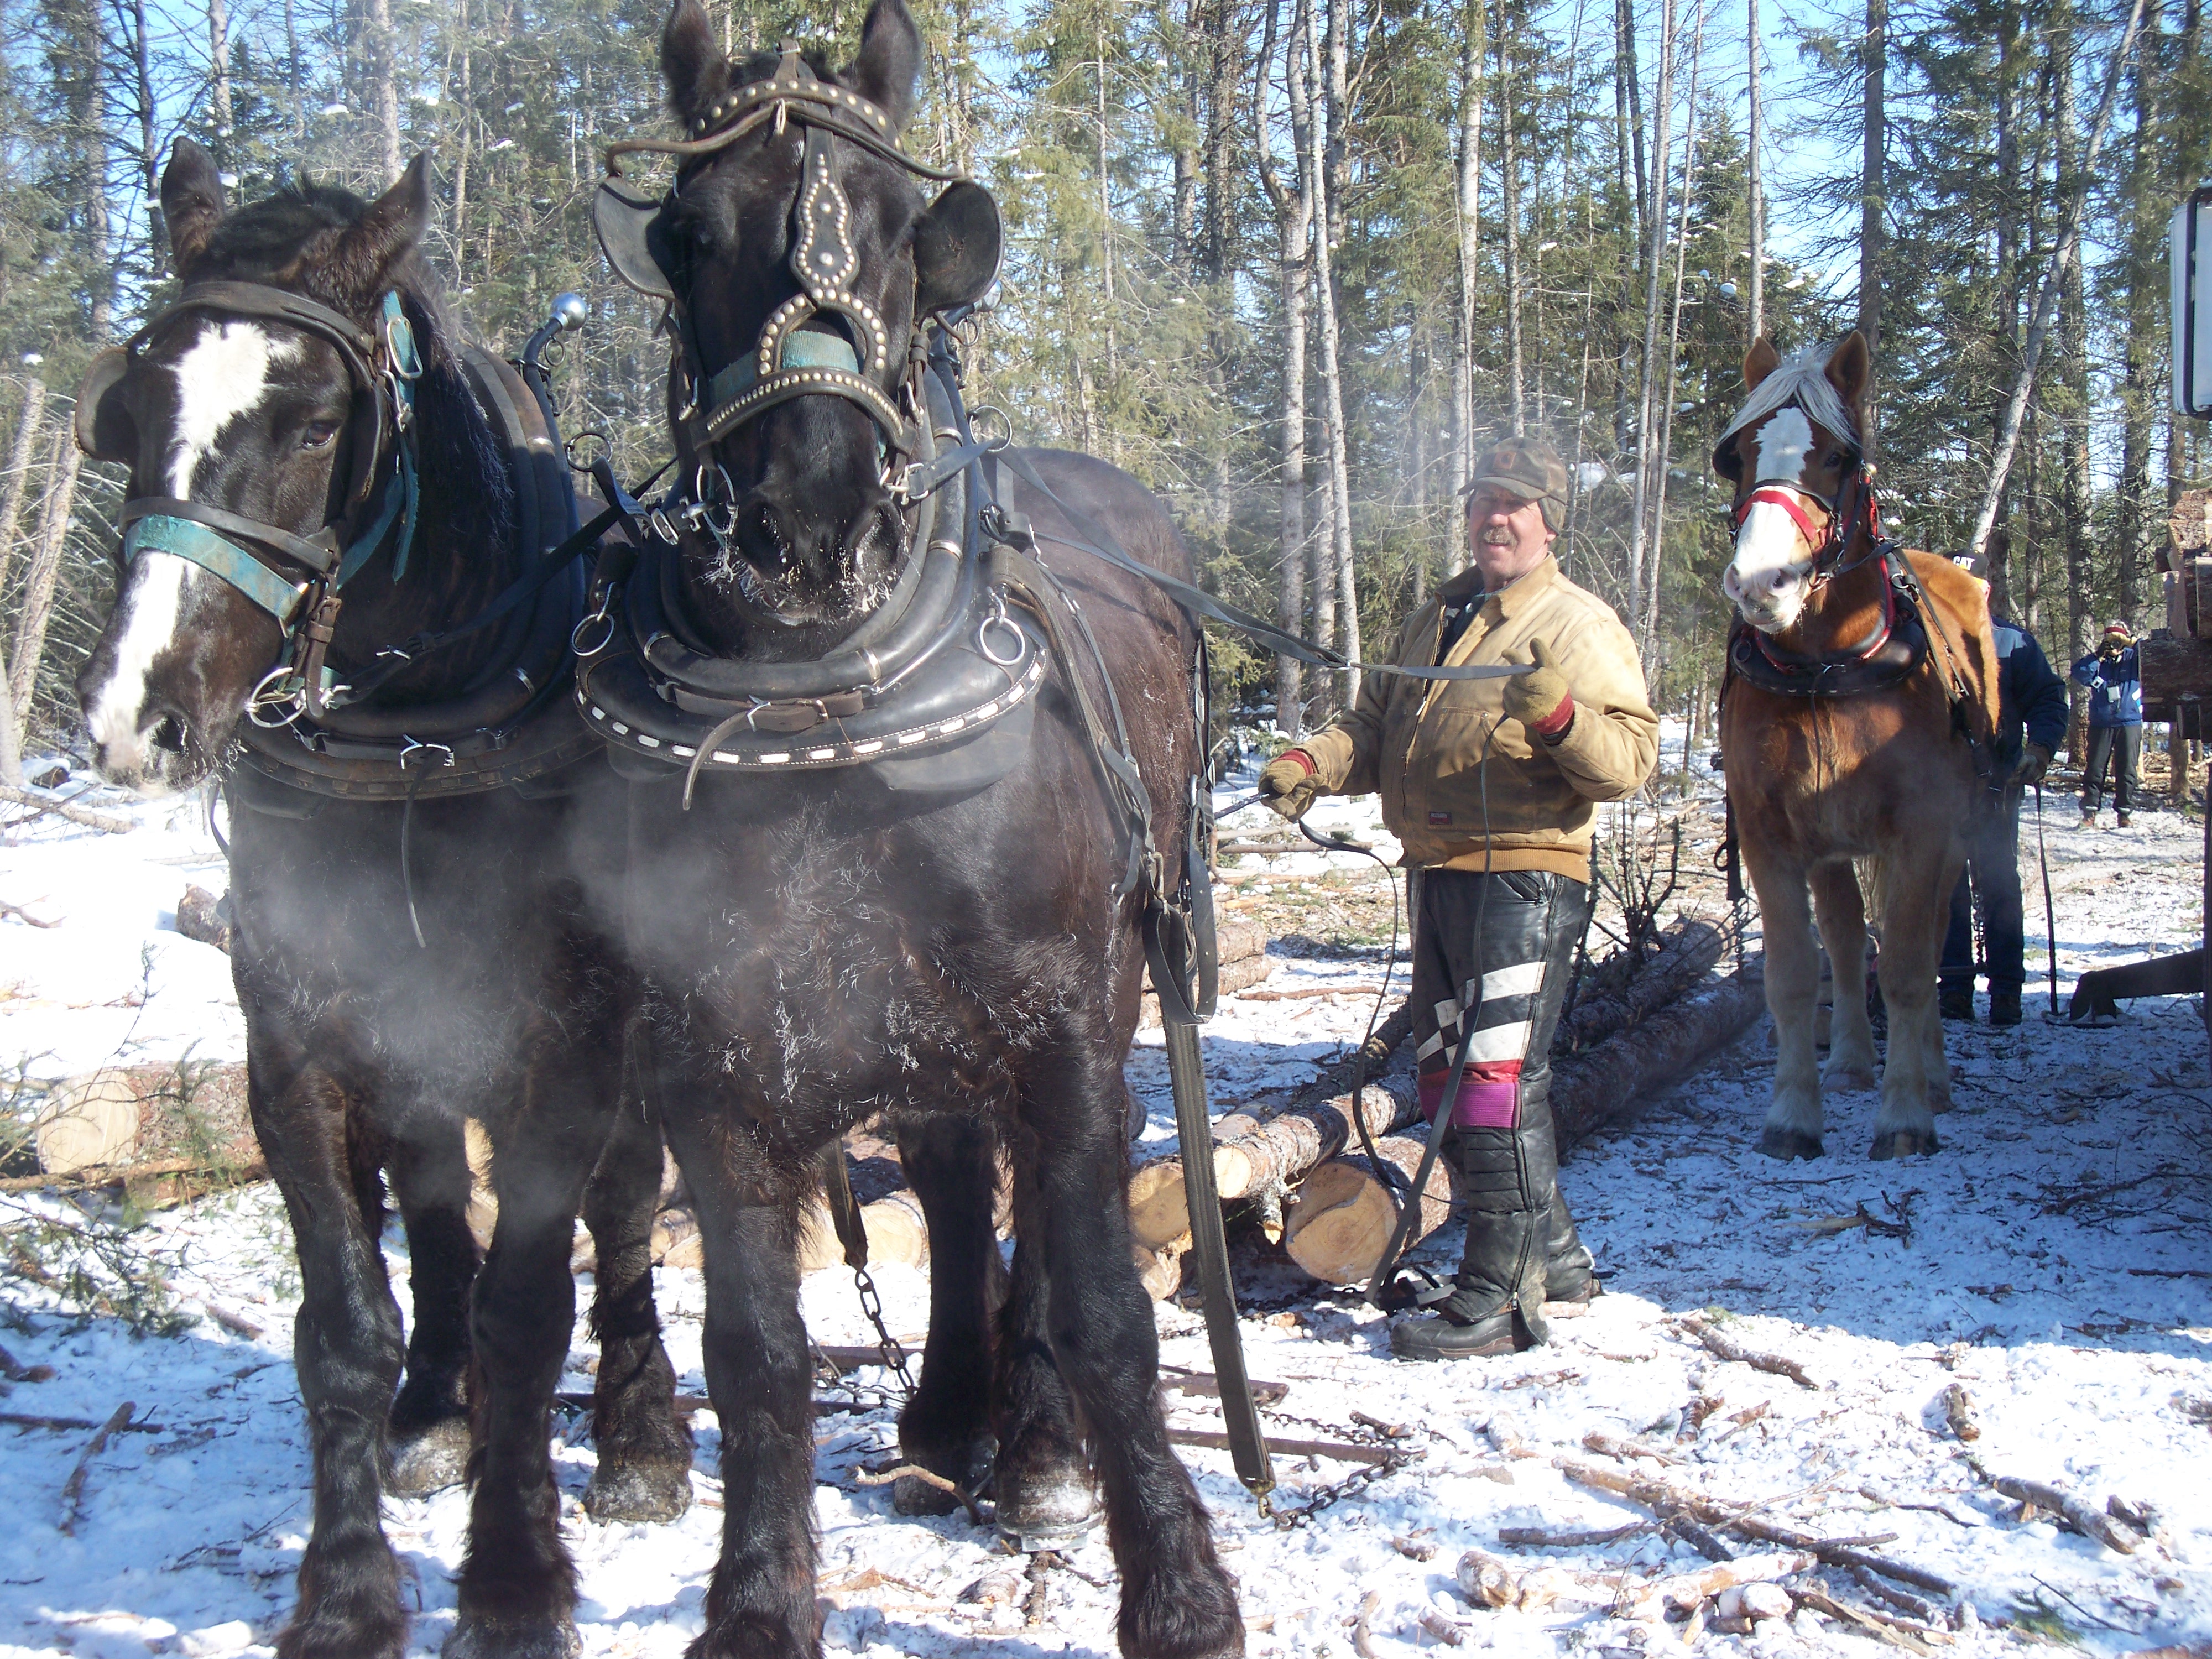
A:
[(1293, 263)]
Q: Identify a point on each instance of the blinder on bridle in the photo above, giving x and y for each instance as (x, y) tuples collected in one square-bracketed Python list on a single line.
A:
[(956, 251), (294, 577)]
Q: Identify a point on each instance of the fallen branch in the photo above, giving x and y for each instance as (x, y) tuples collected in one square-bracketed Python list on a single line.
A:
[(927, 1477), (1336, 1450), (106, 1175), (1913, 1639), (2077, 1515), (2059, 1207), (16, 1372), (23, 916), (105, 823), (1664, 1497), (1614, 1081), (1537, 1538), (1719, 1342), (73, 1488), (1297, 993), (236, 1324)]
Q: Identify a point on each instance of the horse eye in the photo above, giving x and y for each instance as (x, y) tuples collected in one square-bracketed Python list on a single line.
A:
[(318, 435)]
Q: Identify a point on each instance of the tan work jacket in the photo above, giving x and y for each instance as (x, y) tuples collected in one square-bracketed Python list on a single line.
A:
[(1420, 744)]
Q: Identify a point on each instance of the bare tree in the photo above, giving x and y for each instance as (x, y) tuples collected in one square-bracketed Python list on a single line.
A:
[(1294, 215)]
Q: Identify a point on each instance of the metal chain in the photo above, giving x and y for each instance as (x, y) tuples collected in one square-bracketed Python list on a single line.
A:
[(1353, 1484), (894, 1356)]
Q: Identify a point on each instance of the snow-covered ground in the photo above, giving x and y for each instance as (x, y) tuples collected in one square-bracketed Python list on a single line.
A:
[(2055, 1267)]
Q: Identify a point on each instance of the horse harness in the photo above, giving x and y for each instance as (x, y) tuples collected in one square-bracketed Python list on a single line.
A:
[(1891, 651)]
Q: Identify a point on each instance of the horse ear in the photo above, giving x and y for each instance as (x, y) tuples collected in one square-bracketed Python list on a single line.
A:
[(691, 61), (955, 249), (192, 200), (362, 264), (1761, 361), (889, 60), (1851, 371)]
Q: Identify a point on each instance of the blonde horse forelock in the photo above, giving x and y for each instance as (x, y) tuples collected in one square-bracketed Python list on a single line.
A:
[(1801, 379)]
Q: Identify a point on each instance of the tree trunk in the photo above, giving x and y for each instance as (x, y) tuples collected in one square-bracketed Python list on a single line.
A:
[(382, 63), (1342, 603), (1650, 621), (1643, 557), (63, 460), (1755, 297), (2063, 256), (146, 105), (1293, 207), (28, 419), (2073, 358), (2146, 331), (1874, 187), (1469, 203), (219, 77), (1509, 205), (1615, 1080)]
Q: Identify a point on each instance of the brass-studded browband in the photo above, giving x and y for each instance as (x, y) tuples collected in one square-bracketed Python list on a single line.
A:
[(738, 111)]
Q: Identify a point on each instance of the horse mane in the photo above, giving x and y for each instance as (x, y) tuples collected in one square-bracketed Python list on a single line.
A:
[(285, 238), (1802, 378)]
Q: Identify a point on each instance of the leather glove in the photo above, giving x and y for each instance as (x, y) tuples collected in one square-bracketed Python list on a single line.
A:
[(2029, 767), (1540, 700), (1288, 783)]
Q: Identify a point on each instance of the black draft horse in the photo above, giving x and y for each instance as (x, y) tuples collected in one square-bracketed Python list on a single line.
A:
[(365, 1050), (821, 950)]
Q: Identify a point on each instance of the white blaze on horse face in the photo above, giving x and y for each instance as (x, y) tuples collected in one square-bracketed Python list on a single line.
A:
[(154, 598), (222, 377), (1772, 570)]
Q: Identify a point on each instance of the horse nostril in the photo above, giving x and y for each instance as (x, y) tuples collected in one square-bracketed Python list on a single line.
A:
[(1781, 580)]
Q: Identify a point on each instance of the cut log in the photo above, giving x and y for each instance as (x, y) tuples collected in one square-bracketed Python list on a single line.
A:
[(189, 1116), (1340, 1221), (1616, 1081), (1687, 952), (1255, 1154), (2174, 670)]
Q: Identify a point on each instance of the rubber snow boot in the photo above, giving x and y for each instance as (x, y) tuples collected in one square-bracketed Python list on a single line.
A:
[(2088, 819), (1569, 1271), (2005, 1004), (1495, 1305), (1955, 1002), (2125, 820)]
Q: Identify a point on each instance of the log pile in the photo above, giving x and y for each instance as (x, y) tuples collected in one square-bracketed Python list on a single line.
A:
[(1687, 952), (166, 1132), (1241, 947)]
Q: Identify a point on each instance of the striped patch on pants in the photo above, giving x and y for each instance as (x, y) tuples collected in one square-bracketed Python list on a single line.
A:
[(1490, 1090)]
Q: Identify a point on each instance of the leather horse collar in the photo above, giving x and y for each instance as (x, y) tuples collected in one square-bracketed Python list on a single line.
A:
[(1897, 646)]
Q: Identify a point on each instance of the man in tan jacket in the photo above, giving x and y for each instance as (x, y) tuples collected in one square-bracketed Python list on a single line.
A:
[(1492, 786)]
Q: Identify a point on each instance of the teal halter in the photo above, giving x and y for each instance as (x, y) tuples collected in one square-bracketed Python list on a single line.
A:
[(239, 550)]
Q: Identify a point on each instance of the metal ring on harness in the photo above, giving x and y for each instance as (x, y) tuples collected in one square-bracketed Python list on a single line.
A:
[(576, 638), (262, 699), (998, 619)]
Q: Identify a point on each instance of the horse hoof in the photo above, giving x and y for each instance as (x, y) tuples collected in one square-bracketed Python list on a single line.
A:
[(429, 1461), (1847, 1081), (1044, 1514), (638, 1492), (1904, 1143), (1786, 1144), (478, 1637), (321, 1636)]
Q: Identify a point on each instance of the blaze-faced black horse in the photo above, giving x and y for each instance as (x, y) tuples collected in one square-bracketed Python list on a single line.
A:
[(882, 872), (402, 962)]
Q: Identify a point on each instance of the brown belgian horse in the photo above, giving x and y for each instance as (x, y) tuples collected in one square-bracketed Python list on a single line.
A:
[(1882, 773)]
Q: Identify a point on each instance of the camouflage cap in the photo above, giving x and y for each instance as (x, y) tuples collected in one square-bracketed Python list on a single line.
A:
[(1529, 468)]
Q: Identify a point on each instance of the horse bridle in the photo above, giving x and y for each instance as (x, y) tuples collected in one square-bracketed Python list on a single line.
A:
[(296, 579), (1830, 540), (791, 358)]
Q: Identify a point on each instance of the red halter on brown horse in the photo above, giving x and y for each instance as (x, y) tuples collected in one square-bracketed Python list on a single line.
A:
[(1856, 716)]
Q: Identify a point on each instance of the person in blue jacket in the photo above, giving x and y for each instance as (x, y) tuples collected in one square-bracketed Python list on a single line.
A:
[(2032, 711), (2115, 682)]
